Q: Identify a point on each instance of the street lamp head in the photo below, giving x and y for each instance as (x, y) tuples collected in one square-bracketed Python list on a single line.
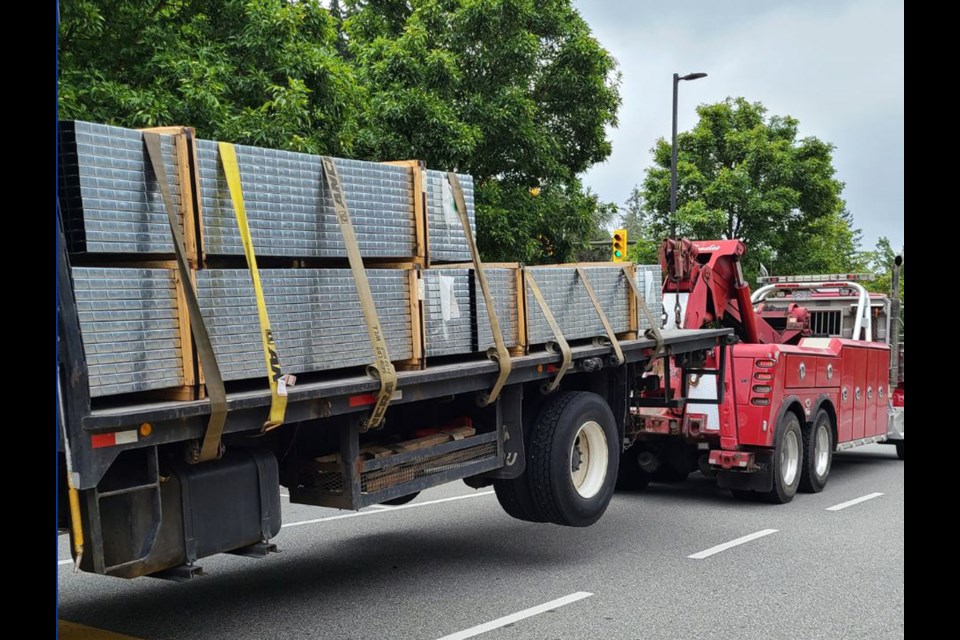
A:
[(693, 76)]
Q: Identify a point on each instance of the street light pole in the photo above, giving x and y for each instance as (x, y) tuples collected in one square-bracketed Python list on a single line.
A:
[(673, 150)]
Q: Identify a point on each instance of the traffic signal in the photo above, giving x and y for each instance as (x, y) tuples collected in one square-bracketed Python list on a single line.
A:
[(620, 245)]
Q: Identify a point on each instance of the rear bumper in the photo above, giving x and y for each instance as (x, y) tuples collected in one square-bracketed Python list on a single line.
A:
[(729, 460), (754, 476)]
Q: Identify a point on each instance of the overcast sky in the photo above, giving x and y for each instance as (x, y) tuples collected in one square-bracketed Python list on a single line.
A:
[(835, 65)]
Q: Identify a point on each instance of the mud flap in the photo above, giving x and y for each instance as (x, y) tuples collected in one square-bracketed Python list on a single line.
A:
[(760, 479)]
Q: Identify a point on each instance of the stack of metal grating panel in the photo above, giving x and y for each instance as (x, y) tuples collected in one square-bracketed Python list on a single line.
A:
[(503, 284), (455, 312), (109, 197), (570, 304), (130, 329), (447, 240), (447, 312), (650, 284), (130, 318), (315, 315), (290, 209)]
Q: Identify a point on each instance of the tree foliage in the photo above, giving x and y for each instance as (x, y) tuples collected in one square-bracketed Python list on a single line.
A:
[(745, 174), (262, 72), (517, 93)]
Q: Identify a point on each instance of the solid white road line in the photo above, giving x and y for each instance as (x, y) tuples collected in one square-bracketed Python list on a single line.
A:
[(850, 503), (381, 507), (357, 514), (514, 617), (60, 563), (733, 543)]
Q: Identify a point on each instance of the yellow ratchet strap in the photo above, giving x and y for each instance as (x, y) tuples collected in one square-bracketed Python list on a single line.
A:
[(600, 314), (210, 448), (653, 332), (561, 341), (75, 524), (278, 383), (382, 368), (500, 355)]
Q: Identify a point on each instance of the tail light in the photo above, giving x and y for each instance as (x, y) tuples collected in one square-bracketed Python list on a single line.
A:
[(766, 363), (898, 397), (761, 388)]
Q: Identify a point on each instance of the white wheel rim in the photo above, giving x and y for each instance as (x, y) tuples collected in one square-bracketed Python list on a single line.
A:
[(789, 458), (589, 459), (822, 450)]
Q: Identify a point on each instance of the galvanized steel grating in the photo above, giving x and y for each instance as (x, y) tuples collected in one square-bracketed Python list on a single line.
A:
[(650, 284), (290, 209), (109, 197), (455, 312), (448, 243), (570, 304), (130, 329), (315, 315)]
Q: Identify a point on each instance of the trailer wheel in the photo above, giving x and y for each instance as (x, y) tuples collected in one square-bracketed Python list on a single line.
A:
[(817, 454), (900, 449), (631, 477), (574, 458), (787, 460), (395, 502)]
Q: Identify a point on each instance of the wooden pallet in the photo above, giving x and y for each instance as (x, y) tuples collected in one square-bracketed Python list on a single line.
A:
[(384, 449), (417, 168), (189, 198)]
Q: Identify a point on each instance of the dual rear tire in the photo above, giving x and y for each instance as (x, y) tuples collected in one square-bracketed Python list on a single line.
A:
[(801, 460), (817, 453)]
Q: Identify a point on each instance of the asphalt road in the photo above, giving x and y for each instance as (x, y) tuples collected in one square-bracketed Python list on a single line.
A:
[(438, 569)]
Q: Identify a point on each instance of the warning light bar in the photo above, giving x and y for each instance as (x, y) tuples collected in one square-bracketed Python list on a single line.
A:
[(829, 277)]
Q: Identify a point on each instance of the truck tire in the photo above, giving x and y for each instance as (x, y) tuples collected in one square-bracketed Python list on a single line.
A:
[(574, 458), (395, 502), (787, 460), (515, 498), (817, 453), (900, 449), (631, 477)]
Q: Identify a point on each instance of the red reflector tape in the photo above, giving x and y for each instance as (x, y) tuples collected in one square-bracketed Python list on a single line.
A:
[(362, 400), (101, 440)]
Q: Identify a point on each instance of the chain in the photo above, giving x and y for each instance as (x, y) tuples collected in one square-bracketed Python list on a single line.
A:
[(676, 310)]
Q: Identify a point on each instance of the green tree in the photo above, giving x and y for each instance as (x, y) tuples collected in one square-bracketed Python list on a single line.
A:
[(262, 72), (517, 93), (879, 262), (744, 174), (645, 246)]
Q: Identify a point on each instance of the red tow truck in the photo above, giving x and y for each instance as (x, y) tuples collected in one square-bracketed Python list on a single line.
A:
[(809, 372)]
